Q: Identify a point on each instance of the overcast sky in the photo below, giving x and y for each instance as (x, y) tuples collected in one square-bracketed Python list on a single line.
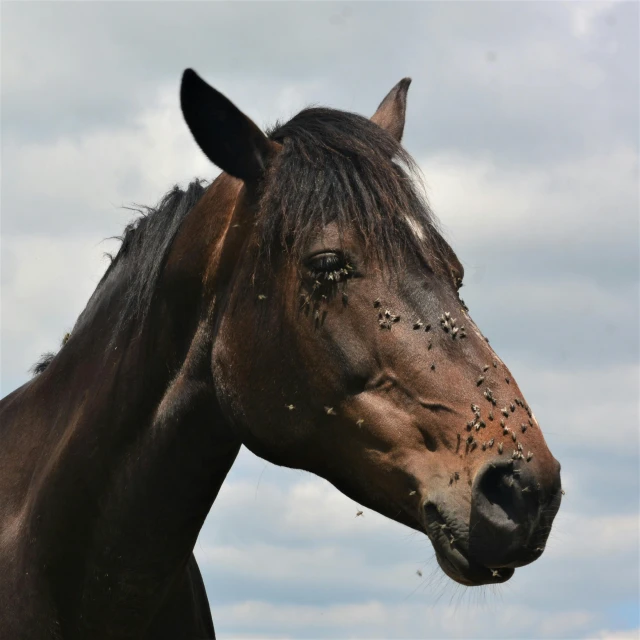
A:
[(524, 120)]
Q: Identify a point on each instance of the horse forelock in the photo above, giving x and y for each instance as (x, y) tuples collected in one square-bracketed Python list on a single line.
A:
[(340, 167)]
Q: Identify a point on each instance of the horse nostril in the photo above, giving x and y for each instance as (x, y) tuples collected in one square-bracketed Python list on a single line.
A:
[(499, 493), (505, 509)]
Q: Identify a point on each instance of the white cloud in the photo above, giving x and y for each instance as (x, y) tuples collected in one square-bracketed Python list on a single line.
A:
[(583, 535), (584, 16), (374, 619), (46, 284), (626, 634), (584, 408), (315, 565), (488, 206), (302, 513), (81, 181)]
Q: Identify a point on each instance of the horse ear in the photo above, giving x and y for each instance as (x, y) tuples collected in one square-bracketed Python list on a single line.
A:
[(391, 112), (228, 138)]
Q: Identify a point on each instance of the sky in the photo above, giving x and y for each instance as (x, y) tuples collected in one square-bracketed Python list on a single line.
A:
[(524, 120)]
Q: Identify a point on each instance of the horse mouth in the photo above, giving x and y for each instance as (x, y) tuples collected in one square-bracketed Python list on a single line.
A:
[(453, 556)]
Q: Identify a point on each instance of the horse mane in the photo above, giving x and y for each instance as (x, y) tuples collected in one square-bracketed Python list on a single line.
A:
[(144, 245), (43, 362), (47, 358), (335, 166)]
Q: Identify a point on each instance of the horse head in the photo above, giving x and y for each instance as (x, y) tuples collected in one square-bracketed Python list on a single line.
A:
[(342, 346)]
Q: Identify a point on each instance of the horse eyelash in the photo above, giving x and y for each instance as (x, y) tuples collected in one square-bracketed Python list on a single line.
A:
[(331, 262), (340, 267)]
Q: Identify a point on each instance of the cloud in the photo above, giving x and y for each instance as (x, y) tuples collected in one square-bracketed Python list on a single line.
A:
[(377, 620), (625, 634), (592, 198), (83, 181), (608, 534), (585, 17), (45, 284), (583, 420)]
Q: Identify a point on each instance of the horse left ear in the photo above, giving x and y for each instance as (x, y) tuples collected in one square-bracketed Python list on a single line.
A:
[(391, 112), (228, 138)]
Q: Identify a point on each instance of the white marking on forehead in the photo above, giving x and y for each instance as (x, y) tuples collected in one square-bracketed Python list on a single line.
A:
[(418, 231)]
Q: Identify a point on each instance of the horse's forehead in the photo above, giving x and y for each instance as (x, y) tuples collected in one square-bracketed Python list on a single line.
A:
[(330, 235)]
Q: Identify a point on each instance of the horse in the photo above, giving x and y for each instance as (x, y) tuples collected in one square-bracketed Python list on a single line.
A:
[(305, 304)]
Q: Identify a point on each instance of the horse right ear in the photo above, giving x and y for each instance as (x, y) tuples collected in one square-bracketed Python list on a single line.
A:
[(392, 110), (228, 138)]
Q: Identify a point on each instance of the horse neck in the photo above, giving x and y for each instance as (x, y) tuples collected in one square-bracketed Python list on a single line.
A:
[(138, 448)]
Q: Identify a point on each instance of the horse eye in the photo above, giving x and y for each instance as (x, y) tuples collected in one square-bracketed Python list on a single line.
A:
[(328, 261)]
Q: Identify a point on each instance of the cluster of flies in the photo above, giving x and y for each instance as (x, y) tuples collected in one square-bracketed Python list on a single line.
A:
[(477, 423), (386, 319), (448, 325), (312, 301)]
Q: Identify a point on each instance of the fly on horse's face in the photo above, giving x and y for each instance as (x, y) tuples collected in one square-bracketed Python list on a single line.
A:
[(348, 352)]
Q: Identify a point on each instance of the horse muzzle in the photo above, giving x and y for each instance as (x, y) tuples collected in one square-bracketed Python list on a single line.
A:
[(511, 514), (510, 519)]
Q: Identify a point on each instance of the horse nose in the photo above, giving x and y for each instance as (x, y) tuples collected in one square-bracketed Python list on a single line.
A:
[(505, 513)]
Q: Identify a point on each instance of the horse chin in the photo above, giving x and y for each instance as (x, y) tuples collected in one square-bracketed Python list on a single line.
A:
[(453, 558), (468, 573)]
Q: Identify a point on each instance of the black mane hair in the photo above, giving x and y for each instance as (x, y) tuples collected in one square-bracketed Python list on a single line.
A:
[(43, 362), (144, 247), (340, 167)]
